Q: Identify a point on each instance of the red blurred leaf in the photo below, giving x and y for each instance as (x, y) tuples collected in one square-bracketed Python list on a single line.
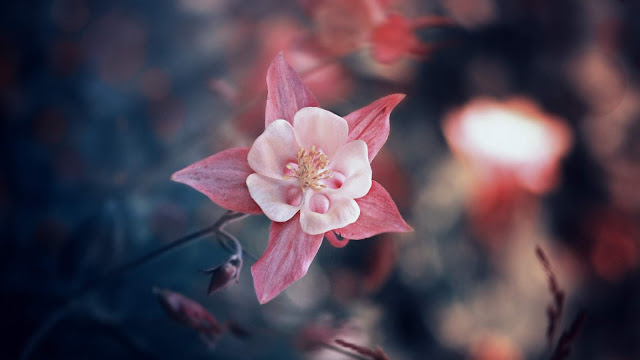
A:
[(191, 314), (376, 354)]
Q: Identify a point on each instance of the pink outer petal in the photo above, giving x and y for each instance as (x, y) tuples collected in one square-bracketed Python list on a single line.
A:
[(333, 240), (320, 128), (378, 214), (273, 150), (286, 93), (222, 178), (287, 258), (371, 123)]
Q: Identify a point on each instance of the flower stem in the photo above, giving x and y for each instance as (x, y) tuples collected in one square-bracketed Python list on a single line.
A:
[(60, 313)]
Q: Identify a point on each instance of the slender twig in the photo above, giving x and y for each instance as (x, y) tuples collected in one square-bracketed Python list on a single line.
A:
[(556, 308), (60, 313), (237, 247), (568, 337), (229, 216), (48, 325)]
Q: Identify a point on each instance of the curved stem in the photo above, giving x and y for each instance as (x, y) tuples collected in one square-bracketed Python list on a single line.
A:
[(59, 314), (48, 325)]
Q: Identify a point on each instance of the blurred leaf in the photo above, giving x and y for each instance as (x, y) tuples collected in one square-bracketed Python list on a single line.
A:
[(191, 314)]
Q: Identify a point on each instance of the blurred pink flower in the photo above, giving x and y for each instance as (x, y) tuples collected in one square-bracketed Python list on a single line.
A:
[(345, 26), (327, 78), (514, 151), (395, 38), (308, 172), (511, 139)]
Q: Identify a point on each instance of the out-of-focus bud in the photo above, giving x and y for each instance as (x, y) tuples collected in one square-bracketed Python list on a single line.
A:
[(223, 275), (191, 314)]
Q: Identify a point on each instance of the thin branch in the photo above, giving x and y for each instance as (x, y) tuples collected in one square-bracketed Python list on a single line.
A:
[(568, 337), (126, 339), (556, 308), (48, 325), (59, 314)]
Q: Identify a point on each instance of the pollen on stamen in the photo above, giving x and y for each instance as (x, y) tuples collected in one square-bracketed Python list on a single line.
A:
[(311, 169)]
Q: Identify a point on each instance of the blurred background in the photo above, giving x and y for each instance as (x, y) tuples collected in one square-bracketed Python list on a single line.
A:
[(520, 128)]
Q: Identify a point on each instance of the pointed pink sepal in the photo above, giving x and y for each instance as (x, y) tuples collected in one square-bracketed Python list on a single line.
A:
[(378, 214), (222, 177), (286, 259), (371, 123), (286, 93)]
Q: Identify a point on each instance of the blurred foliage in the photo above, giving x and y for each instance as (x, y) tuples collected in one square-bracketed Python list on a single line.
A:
[(101, 101)]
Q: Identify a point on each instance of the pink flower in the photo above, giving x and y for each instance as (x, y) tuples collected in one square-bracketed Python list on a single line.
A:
[(344, 26), (309, 167), (514, 150), (309, 172), (395, 38), (509, 139)]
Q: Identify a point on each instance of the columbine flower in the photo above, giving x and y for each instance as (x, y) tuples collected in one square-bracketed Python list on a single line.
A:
[(309, 173), (309, 167)]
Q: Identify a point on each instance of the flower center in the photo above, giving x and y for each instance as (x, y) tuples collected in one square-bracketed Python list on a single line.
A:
[(311, 169)]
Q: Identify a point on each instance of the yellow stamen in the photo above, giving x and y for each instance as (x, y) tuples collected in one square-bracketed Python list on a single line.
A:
[(311, 169)]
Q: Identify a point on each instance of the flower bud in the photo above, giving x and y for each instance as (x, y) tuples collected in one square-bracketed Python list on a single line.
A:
[(223, 275)]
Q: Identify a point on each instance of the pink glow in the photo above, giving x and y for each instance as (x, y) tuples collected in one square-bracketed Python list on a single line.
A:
[(512, 138)]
